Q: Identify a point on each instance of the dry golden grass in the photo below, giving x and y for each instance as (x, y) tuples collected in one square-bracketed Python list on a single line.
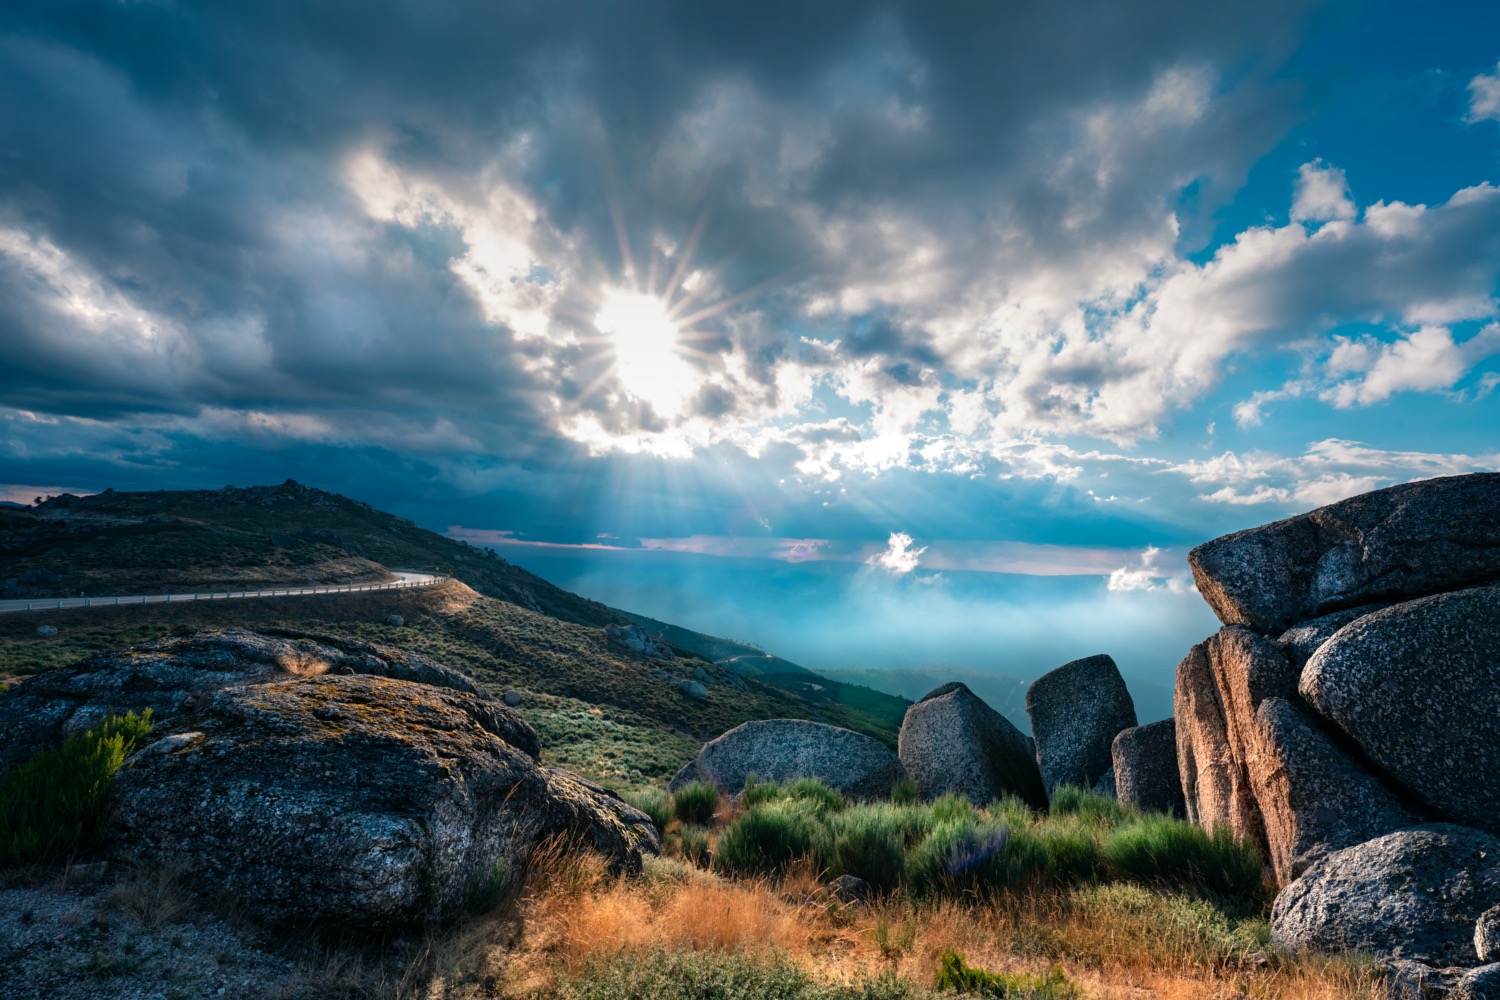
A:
[(1116, 942)]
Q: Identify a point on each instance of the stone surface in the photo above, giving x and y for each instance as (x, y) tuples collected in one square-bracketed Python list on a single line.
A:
[(170, 675), (1417, 686), (951, 741), (511, 698), (1076, 712), (395, 620), (1145, 768), (1482, 983), (1300, 642), (1251, 759), (848, 888), (1487, 935), (1414, 894), (1400, 542), (1107, 785), (692, 689), (360, 799), (686, 775), (783, 749), (46, 631), (1313, 798), (1408, 980)]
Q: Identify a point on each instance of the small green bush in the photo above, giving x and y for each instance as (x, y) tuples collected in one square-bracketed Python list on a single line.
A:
[(1101, 810), (696, 803), (946, 808), (1175, 854), (757, 792), (871, 842), (905, 792), (55, 806), (955, 855), (1012, 810), (816, 793), (735, 975), (770, 837), (694, 844), (953, 974), (654, 802)]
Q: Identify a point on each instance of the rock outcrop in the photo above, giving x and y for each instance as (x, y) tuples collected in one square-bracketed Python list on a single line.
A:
[(1145, 768), (362, 799), (170, 675), (634, 639), (1252, 760), (784, 749), (1076, 712), (1414, 894), (1417, 686), (1482, 983), (1400, 542), (1487, 935), (951, 741)]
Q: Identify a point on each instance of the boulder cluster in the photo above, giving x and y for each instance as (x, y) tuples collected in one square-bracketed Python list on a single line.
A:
[(1347, 718), (312, 777)]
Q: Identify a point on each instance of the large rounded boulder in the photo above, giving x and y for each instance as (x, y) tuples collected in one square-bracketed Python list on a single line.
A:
[(1412, 894), (1401, 542), (1076, 711), (1417, 686), (785, 749), (951, 741), (1145, 768), (362, 799)]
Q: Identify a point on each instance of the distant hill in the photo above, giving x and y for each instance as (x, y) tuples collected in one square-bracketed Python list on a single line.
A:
[(233, 538)]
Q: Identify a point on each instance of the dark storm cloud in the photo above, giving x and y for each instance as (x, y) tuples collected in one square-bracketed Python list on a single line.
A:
[(175, 177)]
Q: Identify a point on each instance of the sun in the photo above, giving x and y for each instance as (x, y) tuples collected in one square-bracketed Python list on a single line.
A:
[(648, 349)]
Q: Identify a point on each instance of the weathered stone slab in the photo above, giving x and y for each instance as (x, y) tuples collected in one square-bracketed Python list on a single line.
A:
[(951, 741), (1076, 711)]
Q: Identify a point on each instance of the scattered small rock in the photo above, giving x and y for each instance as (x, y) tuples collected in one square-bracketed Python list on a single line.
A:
[(512, 698), (692, 689), (395, 620), (46, 631), (637, 640), (848, 888)]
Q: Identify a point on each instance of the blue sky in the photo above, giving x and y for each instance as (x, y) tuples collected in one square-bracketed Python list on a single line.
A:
[(877, 334)]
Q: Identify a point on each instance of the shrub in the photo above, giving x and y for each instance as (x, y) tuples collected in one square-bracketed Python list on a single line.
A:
[(55, 806), (871, 842), (695, 844), (696, 803), (758, 792), (952, 807), (815, 793), (736, 975), (952, 854), (1071, 852), (654, 802), (1012, 810), (1173, 853), (1087, 806), (770, 837), (953, 974), (905, 792)]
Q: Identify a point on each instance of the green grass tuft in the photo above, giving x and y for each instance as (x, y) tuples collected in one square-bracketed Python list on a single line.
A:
[(1175, 854), (738, 975), (905, 792), (1100, 810), (654, 802), (953, 974), (770, 837), (56, 805), (696, 802)]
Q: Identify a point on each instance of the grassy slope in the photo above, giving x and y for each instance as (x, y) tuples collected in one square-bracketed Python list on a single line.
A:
[(598, 710)]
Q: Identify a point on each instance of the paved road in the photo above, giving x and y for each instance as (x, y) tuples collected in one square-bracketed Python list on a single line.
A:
[(405, 579)]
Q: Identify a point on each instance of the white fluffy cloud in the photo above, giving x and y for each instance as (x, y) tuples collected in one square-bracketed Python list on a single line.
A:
[(1147, 575), (899, 557), (1427, 360), (1322, 194), (1484, 96)]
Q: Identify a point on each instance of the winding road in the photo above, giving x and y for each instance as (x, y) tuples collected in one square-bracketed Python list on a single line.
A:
[(405, 578)]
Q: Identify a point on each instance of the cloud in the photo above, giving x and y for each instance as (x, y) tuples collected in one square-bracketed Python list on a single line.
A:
[(1427, 360), (1322, 194), (1327, 471), (1484, 96), (1146, 575), (899, 557)]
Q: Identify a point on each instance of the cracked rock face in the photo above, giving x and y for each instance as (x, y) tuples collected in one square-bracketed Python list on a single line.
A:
[(1412, 894), (1397, 543), (1417, 686), (1076, 711), (363, 799), (951, 741)]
